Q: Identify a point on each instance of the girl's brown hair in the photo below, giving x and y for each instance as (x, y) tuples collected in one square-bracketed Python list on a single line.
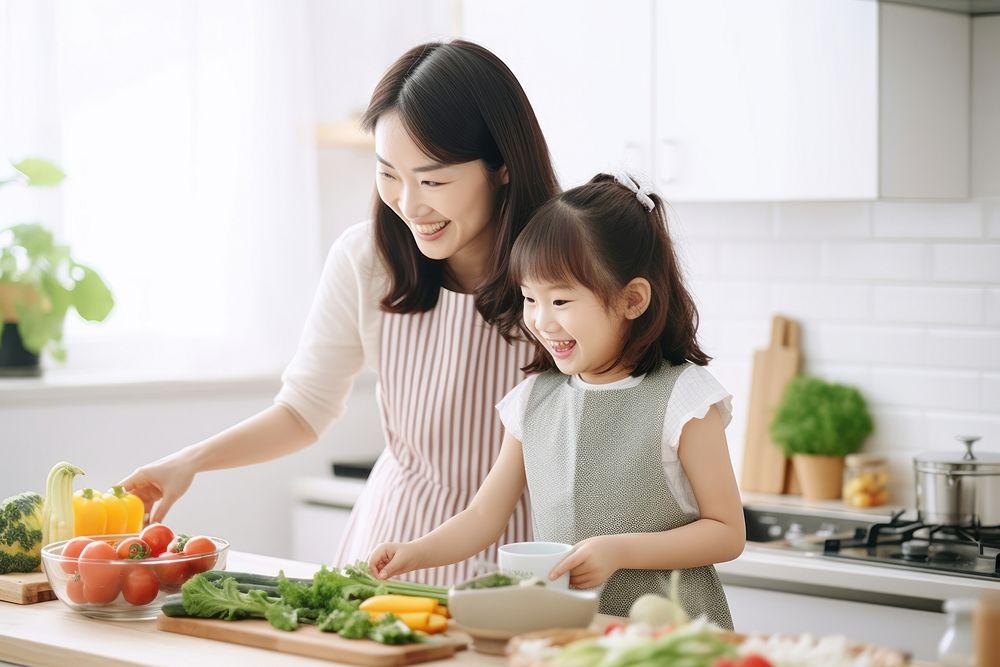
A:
[(460, 103), (601, 236)]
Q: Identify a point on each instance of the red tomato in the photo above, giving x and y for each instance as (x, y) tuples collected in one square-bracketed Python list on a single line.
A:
[(100, 594), (200, 545), (754, 660), (172, 575), (132, 548), (157, 536), (72, 550), (141, 586), (614, 627), (74, 589), (177, 544), (100, 571), (726, 662)]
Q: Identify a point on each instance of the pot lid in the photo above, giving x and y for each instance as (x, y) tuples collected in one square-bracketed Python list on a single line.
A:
[(981, 462)]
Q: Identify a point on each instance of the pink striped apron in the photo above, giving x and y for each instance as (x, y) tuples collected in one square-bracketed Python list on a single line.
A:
[(440, 375)]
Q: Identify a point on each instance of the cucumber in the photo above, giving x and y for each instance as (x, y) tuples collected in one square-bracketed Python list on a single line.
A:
[(172, 606), (250, 578)]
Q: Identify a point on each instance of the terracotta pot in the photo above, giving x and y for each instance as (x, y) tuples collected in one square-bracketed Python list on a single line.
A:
[(821, 477)]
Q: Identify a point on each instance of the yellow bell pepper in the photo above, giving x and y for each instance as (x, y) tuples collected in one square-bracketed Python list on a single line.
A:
[(399, 604), (117, 514), (90, 516), (424, 621), (133, 504)]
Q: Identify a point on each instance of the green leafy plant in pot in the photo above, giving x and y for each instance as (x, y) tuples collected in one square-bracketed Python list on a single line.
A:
[(39, 283), (817, 424)]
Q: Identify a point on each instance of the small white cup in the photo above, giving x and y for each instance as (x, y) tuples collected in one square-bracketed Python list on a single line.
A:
[(536, 559)]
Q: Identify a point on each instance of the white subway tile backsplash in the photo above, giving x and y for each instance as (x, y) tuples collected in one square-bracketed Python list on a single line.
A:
[(897, 429), (941, 390), (899, 299), (932, 305), (770, 260), (864, 344), (822, 301), (912, 220), (975, 350), (822, 220), (966, 262), (725, 298), (875, 261), (991, 392), (729, 221), (993, 307), (992, 216)]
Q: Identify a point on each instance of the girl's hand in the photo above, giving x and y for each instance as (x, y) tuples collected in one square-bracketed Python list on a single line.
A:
[(391, 559), (589, 564), (162, 482)]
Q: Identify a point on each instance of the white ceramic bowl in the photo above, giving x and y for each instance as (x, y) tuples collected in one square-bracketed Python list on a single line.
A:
[(494, 615)]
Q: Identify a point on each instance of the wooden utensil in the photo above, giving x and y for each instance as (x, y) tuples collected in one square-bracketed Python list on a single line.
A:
[(25, 588), (309, 641), (765, 468)]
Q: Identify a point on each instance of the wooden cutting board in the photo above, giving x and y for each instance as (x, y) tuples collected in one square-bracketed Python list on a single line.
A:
[(25, 588), (765, 468), (309, 641)]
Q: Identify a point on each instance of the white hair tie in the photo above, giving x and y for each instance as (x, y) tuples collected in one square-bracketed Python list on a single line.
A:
[(642, 192)]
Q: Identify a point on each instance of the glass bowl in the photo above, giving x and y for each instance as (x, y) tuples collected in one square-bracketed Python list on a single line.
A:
[(99, 588)]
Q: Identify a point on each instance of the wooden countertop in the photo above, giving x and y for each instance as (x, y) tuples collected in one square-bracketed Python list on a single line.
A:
[(49, 633)]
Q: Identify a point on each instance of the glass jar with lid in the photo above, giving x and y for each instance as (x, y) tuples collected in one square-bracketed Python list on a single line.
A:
[(866, 480)]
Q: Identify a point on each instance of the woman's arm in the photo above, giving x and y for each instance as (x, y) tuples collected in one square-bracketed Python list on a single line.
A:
[(716, 537), (269, 434), (468, 532), (720, 534)]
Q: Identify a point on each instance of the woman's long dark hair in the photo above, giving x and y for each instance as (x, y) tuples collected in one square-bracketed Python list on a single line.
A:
[(600, 236), (460, 103)]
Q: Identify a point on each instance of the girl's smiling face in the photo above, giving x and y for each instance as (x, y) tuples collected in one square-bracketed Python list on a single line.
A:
[(449, 208), (584, 335)]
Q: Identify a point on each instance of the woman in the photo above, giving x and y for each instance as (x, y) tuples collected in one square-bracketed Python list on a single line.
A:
[(420, 294)]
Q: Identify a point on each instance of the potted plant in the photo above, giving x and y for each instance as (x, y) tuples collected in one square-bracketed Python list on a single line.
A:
[(39, 283), (817, 424)]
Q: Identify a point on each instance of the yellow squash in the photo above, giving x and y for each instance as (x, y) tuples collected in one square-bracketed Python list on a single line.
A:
[(424, 621), (399, 604)]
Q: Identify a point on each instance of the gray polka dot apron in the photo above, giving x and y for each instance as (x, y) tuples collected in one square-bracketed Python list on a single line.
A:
[(593, 461)]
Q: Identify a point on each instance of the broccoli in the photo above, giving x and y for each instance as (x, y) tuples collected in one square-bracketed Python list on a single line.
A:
[(21, 533)]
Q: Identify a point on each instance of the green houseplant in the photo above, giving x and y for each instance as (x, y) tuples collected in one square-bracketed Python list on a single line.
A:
[(818, 423), (40, 282)]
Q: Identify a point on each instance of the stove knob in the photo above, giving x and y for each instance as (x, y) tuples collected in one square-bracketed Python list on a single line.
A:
[(774, 531)]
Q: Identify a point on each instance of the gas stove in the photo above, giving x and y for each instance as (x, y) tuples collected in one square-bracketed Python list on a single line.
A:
[(884, 540), (968, 551)]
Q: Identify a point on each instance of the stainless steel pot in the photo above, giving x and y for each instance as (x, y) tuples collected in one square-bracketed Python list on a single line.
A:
[(958, 490)]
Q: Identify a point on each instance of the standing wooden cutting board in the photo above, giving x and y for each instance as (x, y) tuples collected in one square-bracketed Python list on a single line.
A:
[(309, 641), (765, 468), (25, 588)]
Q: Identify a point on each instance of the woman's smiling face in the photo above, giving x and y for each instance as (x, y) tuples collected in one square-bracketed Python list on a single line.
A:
[(448, 207)]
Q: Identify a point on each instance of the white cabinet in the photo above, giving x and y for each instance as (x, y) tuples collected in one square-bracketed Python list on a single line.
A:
[(810, 100), (769, 99), (586, 68), (725, 100), (986, 106), (782, 613)]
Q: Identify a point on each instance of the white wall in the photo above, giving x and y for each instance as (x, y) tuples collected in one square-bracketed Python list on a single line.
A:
[(901, 299)]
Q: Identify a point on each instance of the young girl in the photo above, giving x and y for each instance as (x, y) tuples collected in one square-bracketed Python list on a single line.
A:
[(619, 436)]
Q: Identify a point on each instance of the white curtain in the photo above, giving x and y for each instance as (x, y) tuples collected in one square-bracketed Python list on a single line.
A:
[(186, 129)]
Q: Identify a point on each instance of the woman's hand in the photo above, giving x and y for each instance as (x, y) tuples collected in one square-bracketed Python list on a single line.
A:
[(590, 563), (391, 559), (162, 482)]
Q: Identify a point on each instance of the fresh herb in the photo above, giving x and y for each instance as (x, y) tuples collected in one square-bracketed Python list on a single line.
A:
[(495, 580), (820, 418)]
